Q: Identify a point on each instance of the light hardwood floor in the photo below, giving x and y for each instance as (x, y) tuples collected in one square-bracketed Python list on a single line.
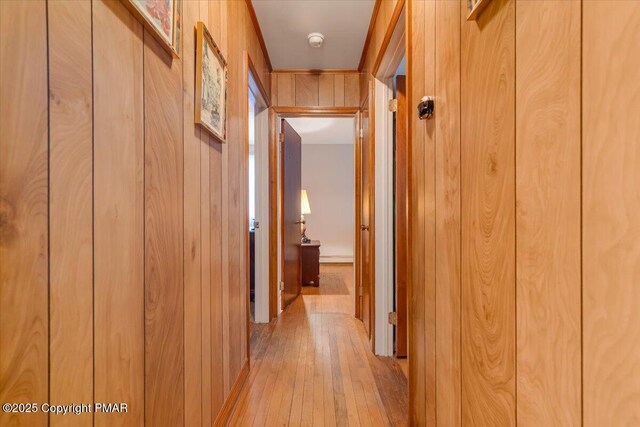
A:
[(314, 366)]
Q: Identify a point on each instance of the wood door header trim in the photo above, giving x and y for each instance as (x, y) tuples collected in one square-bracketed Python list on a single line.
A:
[(316, 111), (256, 26), (252, 69), (312, 71), (391, 28), (367, 41)]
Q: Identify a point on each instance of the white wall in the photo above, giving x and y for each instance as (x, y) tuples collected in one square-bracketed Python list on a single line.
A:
[(328, 177)]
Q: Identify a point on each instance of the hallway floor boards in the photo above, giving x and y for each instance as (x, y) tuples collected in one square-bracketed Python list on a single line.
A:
[(314, 366)]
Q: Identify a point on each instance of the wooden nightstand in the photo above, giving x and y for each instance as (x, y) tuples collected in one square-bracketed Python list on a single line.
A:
[(311, 263)]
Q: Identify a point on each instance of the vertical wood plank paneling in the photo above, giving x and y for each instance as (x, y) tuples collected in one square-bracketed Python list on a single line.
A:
[(216, 399), (548, 212), (118, 212), (167, 212), (338, 90), (194, 361), (274, 90), (206, 285), (310, 90), (224, 197), (235, 194), (70, 209), (205, 141), (351, 90), (307, 90), (286, 89), (164, 309), (217, 302), (24, 277), (326, 90), (611, 223), (447, 168), (416, 83), (488, 228), (429, 308)]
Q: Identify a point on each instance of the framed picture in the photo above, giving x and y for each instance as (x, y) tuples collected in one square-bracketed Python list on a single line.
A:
[(163, 18), (211, 85), (475, 8)]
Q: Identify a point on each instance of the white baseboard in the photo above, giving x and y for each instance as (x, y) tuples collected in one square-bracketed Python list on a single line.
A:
[(329, 259)]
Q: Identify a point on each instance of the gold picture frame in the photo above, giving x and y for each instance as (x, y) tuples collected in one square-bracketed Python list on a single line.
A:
[(475, 8), (162, 18), (211, 85)]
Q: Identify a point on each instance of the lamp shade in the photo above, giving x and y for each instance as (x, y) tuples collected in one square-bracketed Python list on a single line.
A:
[(304, 203)]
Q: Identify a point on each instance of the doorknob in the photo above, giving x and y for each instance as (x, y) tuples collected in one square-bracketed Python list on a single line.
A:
[(364, 227)]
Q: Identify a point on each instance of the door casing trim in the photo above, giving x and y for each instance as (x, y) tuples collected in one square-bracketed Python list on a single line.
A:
[(276, 224)]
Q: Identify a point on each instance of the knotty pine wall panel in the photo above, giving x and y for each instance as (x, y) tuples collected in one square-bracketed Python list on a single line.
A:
[(24, 279), (144, 209)]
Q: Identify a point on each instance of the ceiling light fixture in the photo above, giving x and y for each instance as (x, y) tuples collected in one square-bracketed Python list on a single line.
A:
[(315, 39)]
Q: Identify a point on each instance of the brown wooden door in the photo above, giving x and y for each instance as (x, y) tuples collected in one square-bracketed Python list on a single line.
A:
[(365, 226), (291, 189), (401, 216)]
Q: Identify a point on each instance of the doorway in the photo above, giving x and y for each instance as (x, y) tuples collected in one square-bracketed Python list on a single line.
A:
[(388, 130), (330, 223), (258, 200)]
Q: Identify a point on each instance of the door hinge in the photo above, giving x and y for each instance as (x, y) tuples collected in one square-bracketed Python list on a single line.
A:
[(281, 286), (281, 137), (393, 105), (393, 318)]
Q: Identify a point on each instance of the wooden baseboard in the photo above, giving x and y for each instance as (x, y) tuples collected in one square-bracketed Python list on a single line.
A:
[(336, 264), (223, 416)]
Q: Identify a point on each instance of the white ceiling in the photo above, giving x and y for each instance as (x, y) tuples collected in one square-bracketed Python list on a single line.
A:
[(285, 25), (324, 130)]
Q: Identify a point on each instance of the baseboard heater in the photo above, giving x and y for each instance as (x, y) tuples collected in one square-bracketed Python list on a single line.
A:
[(336, 259)]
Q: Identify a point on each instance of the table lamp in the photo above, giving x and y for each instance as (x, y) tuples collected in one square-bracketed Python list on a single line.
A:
[(305, 209)]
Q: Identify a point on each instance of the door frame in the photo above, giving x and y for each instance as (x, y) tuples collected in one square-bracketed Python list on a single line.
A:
[(393, 49), (367, 104), (251, 77), (276, 219), (254, 86)]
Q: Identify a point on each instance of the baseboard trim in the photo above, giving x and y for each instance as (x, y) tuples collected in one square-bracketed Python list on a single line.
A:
[(336, 260), (223, 416)]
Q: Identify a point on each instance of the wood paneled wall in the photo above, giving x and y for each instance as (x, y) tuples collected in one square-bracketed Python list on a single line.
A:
[(122, 255), (315, 89), (610, 213), (525, 238)]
